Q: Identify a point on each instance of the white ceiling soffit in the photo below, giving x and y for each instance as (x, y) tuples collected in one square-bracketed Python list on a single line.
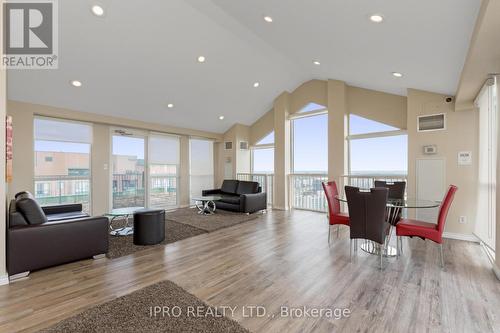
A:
[(141, 55)]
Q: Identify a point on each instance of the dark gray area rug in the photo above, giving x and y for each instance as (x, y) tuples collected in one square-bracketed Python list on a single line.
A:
[(221, 218), (179, 224), (135, 313), (174, 231)]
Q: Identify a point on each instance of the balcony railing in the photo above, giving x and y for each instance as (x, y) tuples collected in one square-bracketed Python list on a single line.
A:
[(265, 181), (163, 192), (57, 190), (306, 192), (366, 181)]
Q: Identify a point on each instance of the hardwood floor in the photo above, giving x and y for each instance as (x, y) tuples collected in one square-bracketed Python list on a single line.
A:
[(280, 259)]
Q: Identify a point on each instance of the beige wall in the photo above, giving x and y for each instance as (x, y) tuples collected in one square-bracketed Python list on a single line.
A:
[(378, 106), (262, 127), (3, 101), (461, 134), (23, 114)]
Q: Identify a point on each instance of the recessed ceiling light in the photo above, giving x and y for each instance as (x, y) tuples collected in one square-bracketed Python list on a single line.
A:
[(397, 74), (316, 62), (170, 105), (268, 19), (201, 59), (376, 18), (76, 83), (221, 117), (97, 10), (256, 84)]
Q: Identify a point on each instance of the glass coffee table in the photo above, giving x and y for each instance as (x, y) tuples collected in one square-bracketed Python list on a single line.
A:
[(126, 213), (206, 204)]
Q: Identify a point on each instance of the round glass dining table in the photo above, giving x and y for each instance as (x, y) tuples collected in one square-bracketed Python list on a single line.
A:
[(394, 208)]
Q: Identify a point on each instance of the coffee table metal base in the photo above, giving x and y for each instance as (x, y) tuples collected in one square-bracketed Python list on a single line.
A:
[(205, 207)]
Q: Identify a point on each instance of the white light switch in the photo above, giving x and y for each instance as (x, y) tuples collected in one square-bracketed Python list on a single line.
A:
[(105, 166)]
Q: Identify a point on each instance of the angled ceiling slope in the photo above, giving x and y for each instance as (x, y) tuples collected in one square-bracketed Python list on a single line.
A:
[(135, 70)]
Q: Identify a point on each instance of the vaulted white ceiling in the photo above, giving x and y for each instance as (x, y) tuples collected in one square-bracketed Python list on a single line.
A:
[(142, 55)]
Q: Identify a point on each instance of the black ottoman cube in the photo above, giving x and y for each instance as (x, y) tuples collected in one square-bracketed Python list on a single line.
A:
[(149, 226)]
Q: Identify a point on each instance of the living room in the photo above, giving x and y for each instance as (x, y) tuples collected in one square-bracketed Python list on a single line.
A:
[(234, 166)]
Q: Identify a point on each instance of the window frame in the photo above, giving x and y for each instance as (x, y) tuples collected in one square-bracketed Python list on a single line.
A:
[(296, 116), (90, 175)]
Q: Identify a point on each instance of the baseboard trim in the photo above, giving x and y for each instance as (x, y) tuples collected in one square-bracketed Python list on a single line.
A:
[(4, 279), (496, 270), (463, 237), (279, 208)]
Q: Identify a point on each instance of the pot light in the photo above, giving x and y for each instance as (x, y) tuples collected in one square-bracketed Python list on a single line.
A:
[(170, 105), (316, 62), (221, 117), (256, 84), (201, 59), (97, 10), (397, 74), (376, 18), (268, 19), (76, 83)]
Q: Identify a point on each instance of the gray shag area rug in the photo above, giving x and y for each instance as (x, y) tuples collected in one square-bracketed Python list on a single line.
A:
[(174, 231), (179, 224), (221, 218), (135, 312)]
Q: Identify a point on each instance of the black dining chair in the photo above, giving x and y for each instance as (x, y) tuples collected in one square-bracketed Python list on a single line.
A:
[(396, 193), (367, 216)]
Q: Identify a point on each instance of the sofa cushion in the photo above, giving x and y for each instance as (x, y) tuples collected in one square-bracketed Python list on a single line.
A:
[(247, 187), (15, 217), (231, 199), (30, 209), (229, 186), (66, 216)]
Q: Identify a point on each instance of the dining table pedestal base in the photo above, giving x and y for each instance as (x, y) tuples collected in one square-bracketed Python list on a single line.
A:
[(374, 248)]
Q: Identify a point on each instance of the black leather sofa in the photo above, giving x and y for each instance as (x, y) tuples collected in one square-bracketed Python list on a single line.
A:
[(42, 237), (239, 196)]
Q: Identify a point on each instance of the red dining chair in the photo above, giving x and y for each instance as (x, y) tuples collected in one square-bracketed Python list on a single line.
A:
[(424, 230), (335, 216)]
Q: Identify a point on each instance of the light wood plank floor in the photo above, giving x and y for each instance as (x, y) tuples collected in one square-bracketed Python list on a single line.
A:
[(282, 258)]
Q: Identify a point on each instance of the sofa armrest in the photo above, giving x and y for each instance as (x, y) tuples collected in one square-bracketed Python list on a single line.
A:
[(251, 203), (58, 209), (210, 192), (32, 247)]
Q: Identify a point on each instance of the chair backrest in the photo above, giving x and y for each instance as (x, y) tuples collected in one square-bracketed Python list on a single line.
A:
[(445, 207), (367, 213), (396, 189), (331, 192)]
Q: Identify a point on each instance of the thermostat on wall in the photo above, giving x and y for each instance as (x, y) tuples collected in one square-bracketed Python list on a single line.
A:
[(430, 150)]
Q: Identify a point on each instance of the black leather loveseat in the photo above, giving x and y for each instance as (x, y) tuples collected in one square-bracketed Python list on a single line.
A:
[(42, 237), (240, 196)]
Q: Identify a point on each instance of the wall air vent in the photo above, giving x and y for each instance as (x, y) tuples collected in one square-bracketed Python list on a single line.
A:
[(433, 122), (228, 145), (243, 145)]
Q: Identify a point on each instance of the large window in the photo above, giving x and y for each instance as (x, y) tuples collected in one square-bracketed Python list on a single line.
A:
[(310, 144), (201, 171), (376, 148), (128, 171), (163, 171), (62, 162), (263, 155)]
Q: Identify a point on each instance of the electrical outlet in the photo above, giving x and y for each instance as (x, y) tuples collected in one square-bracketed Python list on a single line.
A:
[(462, 219)]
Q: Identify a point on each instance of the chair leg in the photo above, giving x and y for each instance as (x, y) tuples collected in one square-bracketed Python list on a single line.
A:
[(381, 254), (397, 247), (329, 233), (442, 256), (338, 229), (350, 250)]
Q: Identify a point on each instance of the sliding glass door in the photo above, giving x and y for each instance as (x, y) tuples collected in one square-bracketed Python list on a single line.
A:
[(201, 171), (128, 170), (164, 163)]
